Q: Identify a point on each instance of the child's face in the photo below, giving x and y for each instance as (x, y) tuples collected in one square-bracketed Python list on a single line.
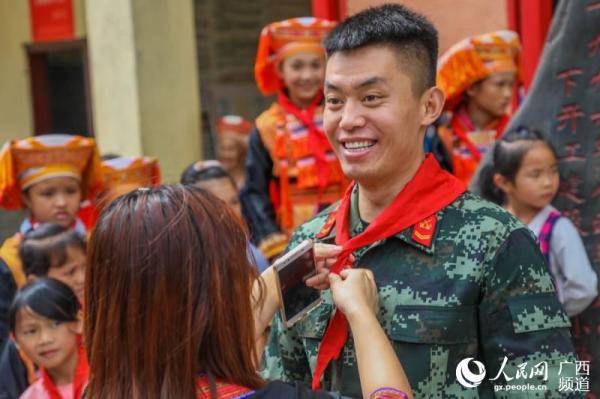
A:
[(72, 272), (54, 200), (537, 180), (223, 189), (493, 95), (231, 152), (47, 342), (303, 75)]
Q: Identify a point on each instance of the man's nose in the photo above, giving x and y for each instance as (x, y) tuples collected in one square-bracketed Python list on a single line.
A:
[(351, 116)]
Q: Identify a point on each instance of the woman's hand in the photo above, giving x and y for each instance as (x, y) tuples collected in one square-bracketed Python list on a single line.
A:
[(325, 256), (354, 292)]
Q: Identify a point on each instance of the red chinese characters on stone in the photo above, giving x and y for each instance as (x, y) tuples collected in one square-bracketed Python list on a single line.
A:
[(594, 46), (568, 77), (593, 6), (596, 224), (569, 115), (569, 188), (571, 150), (595, 81)]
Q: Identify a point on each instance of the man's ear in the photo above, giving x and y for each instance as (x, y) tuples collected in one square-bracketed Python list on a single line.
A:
[(432, 105)]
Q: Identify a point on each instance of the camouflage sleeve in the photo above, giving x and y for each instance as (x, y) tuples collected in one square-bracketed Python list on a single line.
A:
[(524, 331), (284, 357)]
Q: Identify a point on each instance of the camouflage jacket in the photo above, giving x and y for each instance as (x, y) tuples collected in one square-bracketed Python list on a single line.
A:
[(480, 290)]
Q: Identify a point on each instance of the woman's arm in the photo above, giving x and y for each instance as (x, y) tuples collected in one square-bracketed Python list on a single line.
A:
[(355, 294), (265, 311)]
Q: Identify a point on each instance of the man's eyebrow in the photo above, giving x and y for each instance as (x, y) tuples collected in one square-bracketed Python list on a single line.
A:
[(367, 82), (371, 81), (330, 86)]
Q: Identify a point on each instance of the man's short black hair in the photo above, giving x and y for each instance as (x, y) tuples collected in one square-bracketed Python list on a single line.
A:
[(411, 34)]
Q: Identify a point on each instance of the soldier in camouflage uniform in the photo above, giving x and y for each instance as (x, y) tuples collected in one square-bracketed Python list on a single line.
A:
[(469, 283)]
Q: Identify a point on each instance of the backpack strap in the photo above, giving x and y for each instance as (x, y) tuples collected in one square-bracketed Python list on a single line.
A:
[(545, 235)]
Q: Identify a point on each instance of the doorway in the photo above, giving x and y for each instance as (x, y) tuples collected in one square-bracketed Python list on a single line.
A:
[(60, 88)]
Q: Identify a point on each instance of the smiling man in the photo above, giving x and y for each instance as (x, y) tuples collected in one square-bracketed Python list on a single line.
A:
[(458, 277)]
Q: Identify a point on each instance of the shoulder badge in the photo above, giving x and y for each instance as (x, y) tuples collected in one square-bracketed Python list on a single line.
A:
[(424, 230), (326, 229)]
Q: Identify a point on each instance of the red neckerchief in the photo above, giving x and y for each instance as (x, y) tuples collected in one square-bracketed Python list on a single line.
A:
[(79, 379), (224, 390), (316, 137), (430, 190), (461, 124)]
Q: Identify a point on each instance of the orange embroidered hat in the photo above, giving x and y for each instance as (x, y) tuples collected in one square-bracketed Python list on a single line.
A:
[(126, 174), (234, 124), (474, 59), (283, 39), (26, 162), (132, 171)]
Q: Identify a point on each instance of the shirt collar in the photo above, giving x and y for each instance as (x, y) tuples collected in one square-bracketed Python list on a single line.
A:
[(357, 226)]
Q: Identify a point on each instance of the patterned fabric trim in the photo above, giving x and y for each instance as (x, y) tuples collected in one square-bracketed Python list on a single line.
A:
[(224, 390)]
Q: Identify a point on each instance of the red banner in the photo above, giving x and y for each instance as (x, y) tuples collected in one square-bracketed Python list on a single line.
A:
[(51, 20)]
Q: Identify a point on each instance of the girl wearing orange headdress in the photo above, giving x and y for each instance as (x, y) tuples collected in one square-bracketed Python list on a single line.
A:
[(478, 76), (291, 170), (48, 175)]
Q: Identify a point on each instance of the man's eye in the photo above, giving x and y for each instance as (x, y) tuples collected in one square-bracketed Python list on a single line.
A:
[(371, 97), (333, 101)]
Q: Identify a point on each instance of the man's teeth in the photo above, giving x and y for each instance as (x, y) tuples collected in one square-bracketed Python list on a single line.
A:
[(358, 145)]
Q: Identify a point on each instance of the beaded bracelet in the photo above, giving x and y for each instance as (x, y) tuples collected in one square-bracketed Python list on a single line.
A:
[(388, 393)]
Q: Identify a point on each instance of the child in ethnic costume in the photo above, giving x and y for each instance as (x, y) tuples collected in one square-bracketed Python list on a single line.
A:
[(233, 134), (478, 76), (51, 251), (45, 320), (48, 175), (125, 174), (292, 171), (524, 179), (211, 176)]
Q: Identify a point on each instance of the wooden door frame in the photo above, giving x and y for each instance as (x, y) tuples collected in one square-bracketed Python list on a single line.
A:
[(39, 81)]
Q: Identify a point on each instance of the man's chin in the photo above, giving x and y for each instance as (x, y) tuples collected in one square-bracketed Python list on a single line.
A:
[(355, 172)]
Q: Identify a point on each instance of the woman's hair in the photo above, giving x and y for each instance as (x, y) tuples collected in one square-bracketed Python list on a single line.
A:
[(47, 297), (203, 171), (46, 247), (168, 296), (507, 158)]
